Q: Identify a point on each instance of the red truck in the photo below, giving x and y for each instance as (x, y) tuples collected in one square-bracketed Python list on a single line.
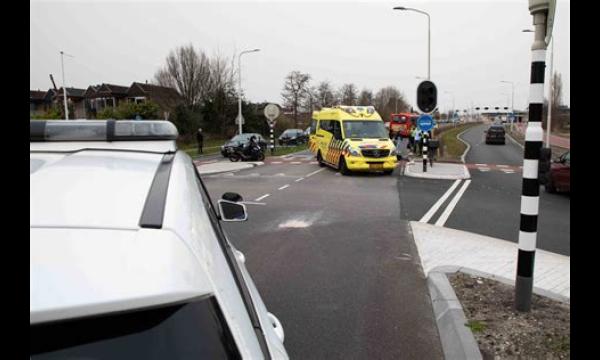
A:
[(403, 123)]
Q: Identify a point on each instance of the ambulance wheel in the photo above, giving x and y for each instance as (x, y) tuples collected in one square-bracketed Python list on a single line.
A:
[(320, 159), (343, 168)]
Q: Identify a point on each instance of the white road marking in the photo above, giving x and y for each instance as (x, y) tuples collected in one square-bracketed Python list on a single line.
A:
[(295, 162), (276, 162), (262, 197), (508, 171), (484, 169), (314, 172), (300, 179), (481, 164), (444, 217), (314, 162), (284, 186), (439, 203), (502, 166), (280, 174)]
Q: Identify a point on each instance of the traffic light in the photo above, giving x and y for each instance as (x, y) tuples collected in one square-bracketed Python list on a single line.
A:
[(426, 96)]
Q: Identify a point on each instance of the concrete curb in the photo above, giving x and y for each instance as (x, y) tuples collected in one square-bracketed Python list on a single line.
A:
[(513, 140), (465, 175), (536, 290), (238, 167), (462, 157), (457, 340)]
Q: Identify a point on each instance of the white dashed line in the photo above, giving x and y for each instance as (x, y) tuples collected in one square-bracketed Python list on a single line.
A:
[(295, 162), (484, 169), (508, 171), (502, 166), (284, 186), (314, 162), (262, 197), (481, 164), (276, 162), (314, 172), (299, 179)]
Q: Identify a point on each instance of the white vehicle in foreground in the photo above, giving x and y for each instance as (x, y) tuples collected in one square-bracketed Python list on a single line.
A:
[(128, 259)]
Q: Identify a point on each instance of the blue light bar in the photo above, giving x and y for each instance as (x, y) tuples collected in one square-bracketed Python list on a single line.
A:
[(101, 130)]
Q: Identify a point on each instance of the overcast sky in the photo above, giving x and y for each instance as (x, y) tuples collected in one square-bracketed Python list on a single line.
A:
[(474, 44)]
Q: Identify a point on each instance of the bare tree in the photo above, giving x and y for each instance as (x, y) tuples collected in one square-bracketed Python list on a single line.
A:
[(325, 95), (294, 91), (389, 100), (365, 97), (186, 70), (348, 94), (311, 99), (557, 87)]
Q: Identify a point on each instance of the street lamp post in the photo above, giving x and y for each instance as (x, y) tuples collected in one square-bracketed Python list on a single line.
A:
[(551, 84), (453, 103), (428, 36), (240, 87), (512, 104), (62, 64)]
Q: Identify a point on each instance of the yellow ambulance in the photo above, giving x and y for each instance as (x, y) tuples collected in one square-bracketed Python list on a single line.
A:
[(351, 138)]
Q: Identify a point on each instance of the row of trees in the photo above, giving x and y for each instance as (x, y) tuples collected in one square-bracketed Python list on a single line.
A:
[(207, 85), (299, 95)]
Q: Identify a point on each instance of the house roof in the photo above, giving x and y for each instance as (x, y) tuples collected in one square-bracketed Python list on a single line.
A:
[(71, 92), (105, 90), (37, 95), (155, 91)]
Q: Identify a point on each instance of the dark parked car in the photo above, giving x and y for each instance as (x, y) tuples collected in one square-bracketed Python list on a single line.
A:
[(559, 176), (243, 140), (495, 135), (293, 137)]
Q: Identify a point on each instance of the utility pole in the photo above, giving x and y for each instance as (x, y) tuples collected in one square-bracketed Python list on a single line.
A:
[(543, 14)]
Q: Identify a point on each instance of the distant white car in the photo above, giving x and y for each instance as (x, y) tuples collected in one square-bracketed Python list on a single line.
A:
[(128, 259)]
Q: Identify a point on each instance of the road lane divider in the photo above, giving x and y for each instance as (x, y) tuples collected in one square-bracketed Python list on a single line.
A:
[(314, 172), (262, 197), (439, 203), (300, 179), (446, 214), (284, 186)]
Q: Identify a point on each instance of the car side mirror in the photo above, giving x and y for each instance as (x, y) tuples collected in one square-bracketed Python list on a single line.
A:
[(232, 211)]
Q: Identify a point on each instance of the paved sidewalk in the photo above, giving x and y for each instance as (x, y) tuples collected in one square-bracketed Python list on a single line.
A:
[(448, 249), (447, 171), (215, 167)]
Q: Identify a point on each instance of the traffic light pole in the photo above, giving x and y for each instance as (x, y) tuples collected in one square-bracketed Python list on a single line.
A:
[(531, 187)]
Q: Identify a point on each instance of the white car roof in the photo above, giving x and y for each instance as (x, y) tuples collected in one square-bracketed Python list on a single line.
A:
[(88, 253)]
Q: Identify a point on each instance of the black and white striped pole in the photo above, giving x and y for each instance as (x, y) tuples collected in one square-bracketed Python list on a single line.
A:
[(533, 143), (271, 125), (424, 150)]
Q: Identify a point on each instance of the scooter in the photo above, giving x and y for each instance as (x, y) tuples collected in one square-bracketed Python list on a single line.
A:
[(254, 154)]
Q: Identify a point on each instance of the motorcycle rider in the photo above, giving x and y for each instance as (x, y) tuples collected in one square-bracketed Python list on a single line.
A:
[(252, 144)]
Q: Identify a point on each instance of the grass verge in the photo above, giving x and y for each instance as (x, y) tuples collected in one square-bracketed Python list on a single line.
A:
[(451, 149)]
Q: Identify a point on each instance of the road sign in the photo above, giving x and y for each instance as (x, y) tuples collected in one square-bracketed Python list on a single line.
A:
[(426, 96), (425, 122), (271, 112)]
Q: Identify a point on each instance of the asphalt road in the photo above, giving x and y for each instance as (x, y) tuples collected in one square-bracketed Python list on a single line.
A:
[(491, 203), (334, 261)]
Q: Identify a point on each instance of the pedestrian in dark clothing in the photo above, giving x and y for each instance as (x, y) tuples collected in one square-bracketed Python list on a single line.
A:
[(200, 139)]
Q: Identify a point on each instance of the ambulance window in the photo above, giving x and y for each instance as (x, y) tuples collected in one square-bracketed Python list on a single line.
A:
[(313, 127), (337, 130), (326, 125)]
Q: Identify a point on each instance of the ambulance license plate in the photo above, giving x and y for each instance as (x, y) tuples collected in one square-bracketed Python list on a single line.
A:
[(376, 166)]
